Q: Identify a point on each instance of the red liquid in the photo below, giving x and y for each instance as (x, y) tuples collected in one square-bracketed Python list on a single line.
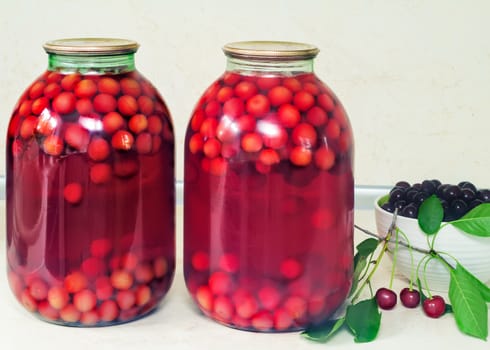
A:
[(90, 199), (268, 218)]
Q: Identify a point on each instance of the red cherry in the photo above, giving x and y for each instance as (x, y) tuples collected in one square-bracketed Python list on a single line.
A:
[(112, 122), (212, 148), (279, 95), (229, 263), (70, 313), (246, 123), (316, 116), (143, 273), (53, 77), (77, 137), (27, 127), (269, 297), (142, 295), (28, 301), (127, 105), (138, 123), (300, 156), (104, 103), (47, 311), (85, 88), (324, 158), (220, 283), (103, 288), (98, 149), (212, 109), (36, 89), (311, 88), (75, 282), (73, 193), (410, 298), (204, 298), (93, 267), (282, 320), (160, 267), (267, 83), (38, 289), (101, 248), (245, 90), (155, 125), (84, 300), (304, 135), (146, 105), (89, 318), (326, 102), (262, 321), (323, 219), (223, 308), (121, 279), (245, 304), (276, 137), (288, 115), (233, 108), (53, 145), (292, 84), (332, 130), (258, 105), (200, 261), (386, 298), (251, 142), (224, 94), (108, 86), (122, 140), (303, 100), (108, 311), (296, 307), (231, 78), (291, 268), (125, 299), (130, 87), (434, 307), (64, 103), (84, 106), (39, 105), (25, 108), (68, 82), (51, 90), (269, 157), (144, 143)]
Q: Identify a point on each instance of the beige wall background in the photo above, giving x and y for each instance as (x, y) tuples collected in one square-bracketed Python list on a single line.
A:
[(414, 76)]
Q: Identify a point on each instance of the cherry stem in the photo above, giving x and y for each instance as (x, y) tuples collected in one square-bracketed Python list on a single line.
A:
[(407, 245)]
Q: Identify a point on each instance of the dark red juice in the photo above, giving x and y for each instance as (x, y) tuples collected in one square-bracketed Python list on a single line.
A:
[(268, 206)]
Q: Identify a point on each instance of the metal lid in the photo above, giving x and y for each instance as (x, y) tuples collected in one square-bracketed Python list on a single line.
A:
[(91, 46), (278, 50)]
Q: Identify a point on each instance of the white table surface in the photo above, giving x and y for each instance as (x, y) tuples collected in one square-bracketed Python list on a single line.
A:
[(177, 323)]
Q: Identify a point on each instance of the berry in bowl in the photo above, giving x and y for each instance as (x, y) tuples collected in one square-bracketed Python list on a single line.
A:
[(453, 209)]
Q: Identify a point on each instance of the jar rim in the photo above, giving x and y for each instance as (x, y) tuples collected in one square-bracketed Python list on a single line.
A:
[(91, 46), (276, 50)]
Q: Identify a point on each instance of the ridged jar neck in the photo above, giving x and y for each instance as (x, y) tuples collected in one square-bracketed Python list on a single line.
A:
[(96, 64), (256, 66)]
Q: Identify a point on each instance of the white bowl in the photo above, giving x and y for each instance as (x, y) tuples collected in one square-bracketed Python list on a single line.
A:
[(471, 251)]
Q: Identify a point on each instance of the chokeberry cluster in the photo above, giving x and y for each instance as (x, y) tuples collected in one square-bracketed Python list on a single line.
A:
[(456, 200)]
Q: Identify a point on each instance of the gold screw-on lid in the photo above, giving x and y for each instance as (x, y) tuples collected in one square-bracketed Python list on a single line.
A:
[(279, 50), (91, 46)]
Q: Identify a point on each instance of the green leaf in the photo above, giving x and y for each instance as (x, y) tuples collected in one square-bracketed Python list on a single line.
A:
[(430, 214), (322, 333), (482, 287), (470, 309), (383, 199), (367, 247), (364, 320), (364, 250), (476, 222)]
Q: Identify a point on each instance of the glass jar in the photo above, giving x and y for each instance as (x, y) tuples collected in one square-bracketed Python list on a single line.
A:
[(90, 188), (268, 193)]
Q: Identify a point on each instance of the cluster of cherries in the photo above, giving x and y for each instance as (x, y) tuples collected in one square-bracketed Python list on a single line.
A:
[(456, 200), (246, 303), (433, 307), (111, 118), (268, 119), (105, 289)]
